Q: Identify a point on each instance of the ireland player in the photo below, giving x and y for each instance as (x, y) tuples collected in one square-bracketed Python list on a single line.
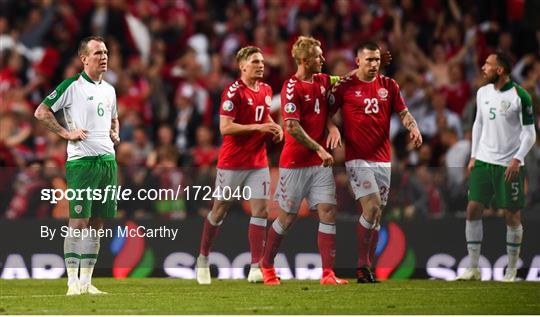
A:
[(503, 133), (88, 104)]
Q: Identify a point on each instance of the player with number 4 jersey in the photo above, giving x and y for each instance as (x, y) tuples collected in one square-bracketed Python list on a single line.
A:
[(367, 101), (305, 165), (245, 123)]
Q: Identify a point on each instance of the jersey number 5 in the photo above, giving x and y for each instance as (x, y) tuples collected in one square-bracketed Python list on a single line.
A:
[(259, 113), (491, 113), (372, 105)]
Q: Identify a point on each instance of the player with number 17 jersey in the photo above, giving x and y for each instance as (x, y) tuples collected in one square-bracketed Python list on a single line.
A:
[(245, 106), (366, 110)]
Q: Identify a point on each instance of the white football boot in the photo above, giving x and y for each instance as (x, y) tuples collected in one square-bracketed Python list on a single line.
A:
[(471, 274), (74, 289), (255, 275), (91, 289), (203, 270), (510, 275)]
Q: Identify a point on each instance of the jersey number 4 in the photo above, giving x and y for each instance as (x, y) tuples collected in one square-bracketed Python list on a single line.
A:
[(317, 106), (372, 105)]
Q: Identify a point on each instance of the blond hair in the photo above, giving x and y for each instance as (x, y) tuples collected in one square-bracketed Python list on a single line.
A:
[(245, 52), (304, 47)]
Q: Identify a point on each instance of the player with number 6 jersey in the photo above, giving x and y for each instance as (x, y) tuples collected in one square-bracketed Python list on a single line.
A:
[(367, 101), (245, 123)]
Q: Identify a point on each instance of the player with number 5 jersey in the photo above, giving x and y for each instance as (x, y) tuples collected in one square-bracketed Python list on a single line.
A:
[(245, 124), (503, 133), (367, 101)]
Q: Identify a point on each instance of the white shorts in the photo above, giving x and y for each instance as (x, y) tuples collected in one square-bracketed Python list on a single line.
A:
[(258, 180), (369, 177), (315, 183)]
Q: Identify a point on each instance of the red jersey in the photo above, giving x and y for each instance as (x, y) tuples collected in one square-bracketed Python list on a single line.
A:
[(366, 110), (307, 103), (245, 106)]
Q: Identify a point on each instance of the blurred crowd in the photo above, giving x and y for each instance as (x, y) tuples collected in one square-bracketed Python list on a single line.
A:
[(170, 59)]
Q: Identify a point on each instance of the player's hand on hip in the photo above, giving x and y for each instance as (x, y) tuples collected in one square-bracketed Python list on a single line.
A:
[(76, 135), (334, 138), (115, 138), (512, 171), (416, 137), (471, 164), (327, 159)]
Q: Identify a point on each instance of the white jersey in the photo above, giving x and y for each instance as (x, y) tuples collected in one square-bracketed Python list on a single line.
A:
[(500, 117), (86, 105)]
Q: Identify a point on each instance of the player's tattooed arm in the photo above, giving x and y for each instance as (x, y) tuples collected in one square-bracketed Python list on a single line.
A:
[(115, 131), (299, 134), (46, 117), (408, 120), (410, 124)]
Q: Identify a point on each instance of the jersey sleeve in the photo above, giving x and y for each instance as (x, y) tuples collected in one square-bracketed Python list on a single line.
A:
[(290, 101), (60, 97), (398, 104), (335, 97), (114, 110), (268, 100), (230, 101), (527, 112)]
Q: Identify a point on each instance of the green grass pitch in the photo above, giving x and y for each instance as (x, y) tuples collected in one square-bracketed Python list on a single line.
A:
[(173, 296)]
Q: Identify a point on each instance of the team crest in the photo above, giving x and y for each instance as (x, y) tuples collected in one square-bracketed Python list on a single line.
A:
[(504, 106), (268, 100), (383, 93), (52, 95), (250, 101), (78, 209), (358, 93), (228, 105), (290, 107), (331, 99), (323, 91)]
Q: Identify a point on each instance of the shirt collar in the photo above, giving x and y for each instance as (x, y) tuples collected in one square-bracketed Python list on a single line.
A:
[(507, 86), (85, 76)]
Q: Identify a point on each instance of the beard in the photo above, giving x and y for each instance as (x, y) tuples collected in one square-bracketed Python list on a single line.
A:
[(493, 79)]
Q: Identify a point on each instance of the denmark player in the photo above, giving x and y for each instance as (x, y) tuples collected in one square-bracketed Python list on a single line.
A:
[(367, 101), (305, 165), (244, 123)]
